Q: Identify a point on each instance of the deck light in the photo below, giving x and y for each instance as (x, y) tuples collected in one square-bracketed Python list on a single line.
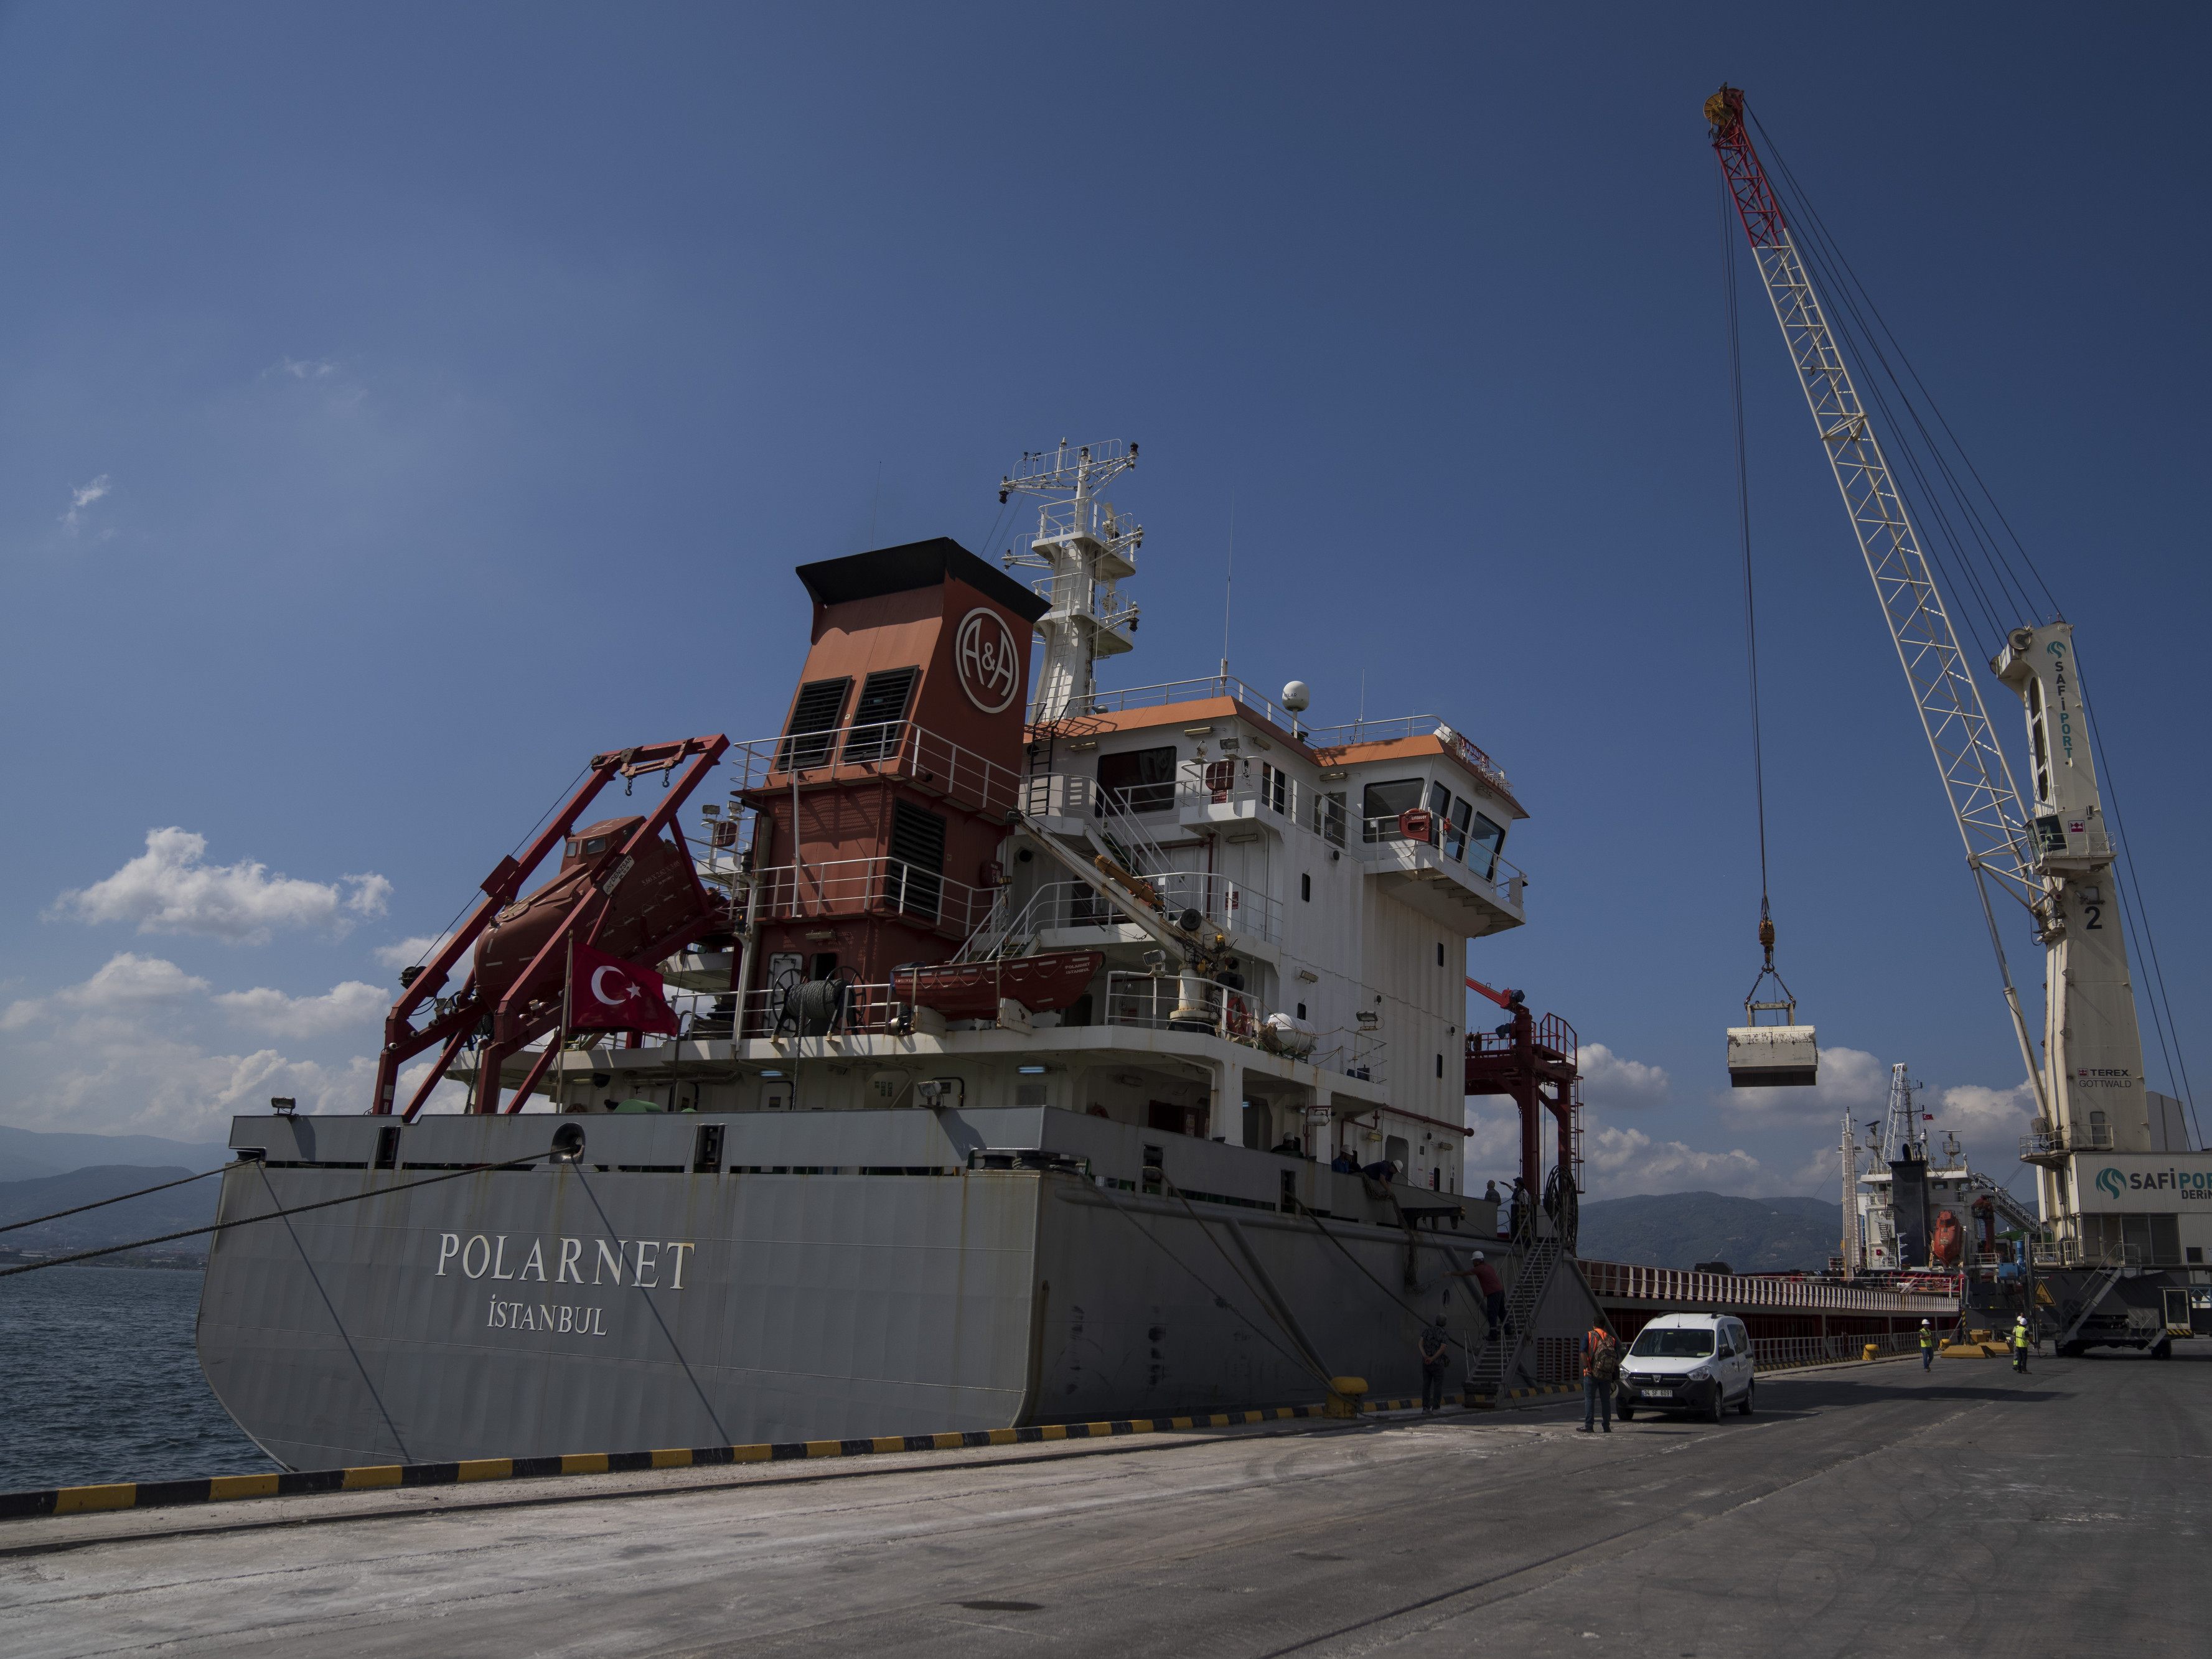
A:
[(283, 1105)]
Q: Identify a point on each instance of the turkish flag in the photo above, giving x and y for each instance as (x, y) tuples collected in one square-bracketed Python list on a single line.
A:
[(606, 994)]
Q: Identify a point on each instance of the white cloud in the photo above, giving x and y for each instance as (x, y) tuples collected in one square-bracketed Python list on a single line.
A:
[(81, 498), (1850, 1079), (125, 981), (342, 1007), (170, 889), (420, 947), (305, 369), (1611, 1083), (1975, 1110), (1618, 1162)]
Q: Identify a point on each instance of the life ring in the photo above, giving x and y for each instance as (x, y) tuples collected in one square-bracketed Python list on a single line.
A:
[(1418, 823)]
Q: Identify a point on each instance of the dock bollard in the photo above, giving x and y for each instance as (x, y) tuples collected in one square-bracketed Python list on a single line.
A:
[(1345, 1394), (1871, 1351)]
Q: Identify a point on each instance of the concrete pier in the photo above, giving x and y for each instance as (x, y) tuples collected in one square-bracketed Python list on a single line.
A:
[(1866, 1510)]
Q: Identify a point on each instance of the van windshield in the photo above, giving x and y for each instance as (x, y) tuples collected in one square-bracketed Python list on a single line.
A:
[(1672, 1342)]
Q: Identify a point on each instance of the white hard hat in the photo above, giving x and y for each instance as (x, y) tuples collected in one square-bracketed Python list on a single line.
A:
[(1478, 1255), (1923, 1322)]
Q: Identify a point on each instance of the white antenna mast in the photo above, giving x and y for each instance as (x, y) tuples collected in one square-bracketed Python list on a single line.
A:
[(1086, 548), (1229, 586)]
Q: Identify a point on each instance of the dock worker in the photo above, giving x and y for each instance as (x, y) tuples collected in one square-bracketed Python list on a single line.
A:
[(1927, 1344), (1492, 1289), (1436, 1345), (1601, 1364), (1344, 1162), (2021, 1338)]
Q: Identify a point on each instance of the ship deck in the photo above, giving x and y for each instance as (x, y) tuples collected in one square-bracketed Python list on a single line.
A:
[(1866, 1508)]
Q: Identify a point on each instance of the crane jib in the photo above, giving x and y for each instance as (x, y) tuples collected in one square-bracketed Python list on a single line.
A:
[(1977, 777)]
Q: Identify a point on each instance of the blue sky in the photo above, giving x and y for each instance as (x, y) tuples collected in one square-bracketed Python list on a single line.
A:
[(398, 403)]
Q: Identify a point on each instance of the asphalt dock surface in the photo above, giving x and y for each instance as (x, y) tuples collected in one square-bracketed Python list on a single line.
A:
[(1863, 1510)]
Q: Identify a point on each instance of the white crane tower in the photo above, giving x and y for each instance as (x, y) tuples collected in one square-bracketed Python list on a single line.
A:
[(1086, 548), (2055, 860)]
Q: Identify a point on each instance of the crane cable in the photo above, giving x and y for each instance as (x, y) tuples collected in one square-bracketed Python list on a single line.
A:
[(1728, 285)]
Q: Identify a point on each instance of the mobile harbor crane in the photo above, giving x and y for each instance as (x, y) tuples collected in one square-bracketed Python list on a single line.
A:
[(2126, 1200)]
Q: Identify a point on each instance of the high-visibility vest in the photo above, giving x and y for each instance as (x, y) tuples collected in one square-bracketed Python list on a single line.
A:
[(1926, 1338), (2019, 1336)]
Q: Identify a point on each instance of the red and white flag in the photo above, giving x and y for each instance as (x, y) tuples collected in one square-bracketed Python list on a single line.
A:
[(606, 994)]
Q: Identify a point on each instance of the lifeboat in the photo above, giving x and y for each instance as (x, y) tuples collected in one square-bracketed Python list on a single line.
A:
[(655, 899), (971, 990)]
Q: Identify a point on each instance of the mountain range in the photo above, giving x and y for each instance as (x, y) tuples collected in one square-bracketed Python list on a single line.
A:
[(1679, 1230)]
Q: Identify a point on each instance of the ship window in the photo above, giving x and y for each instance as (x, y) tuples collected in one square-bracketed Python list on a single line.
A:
[(914, 875), (1488, 841), (595, 844), (1440, 810), (879, 717), (1380, 806), (1305, 888), (1440, 953), (1139, 779), (1329, 817), (1440, 1065), (1274, 788), (1455, 829), (814, 715), (1302, 1010)]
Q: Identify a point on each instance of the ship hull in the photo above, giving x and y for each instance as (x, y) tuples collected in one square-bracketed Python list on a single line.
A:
[(832, 1276)]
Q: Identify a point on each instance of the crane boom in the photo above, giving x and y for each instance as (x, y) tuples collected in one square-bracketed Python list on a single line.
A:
[(1976, 779)]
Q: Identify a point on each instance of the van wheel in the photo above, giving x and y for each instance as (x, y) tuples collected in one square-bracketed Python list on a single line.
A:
[(1743, 1407), (1714, 1414), (1626, 1411)]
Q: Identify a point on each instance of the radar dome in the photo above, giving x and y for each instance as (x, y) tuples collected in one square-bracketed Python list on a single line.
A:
[(1297, 696)]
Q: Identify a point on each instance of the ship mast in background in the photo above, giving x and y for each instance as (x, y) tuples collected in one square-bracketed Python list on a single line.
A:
[(1086, 548)]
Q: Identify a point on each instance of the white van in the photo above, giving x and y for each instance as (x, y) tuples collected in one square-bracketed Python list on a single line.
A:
[(1696, 1363)]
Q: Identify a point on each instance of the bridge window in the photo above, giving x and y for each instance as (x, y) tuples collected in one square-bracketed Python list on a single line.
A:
[(1139, 779), (1487, 840), (1382, 802)]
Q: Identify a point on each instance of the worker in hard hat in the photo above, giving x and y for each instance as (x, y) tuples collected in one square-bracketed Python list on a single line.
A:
[(1492, 1289), (2020, 1338), (1927, 1344)]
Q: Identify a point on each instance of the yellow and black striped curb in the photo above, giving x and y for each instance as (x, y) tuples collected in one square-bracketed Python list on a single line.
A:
[(1525, 1393), (225, 1488)]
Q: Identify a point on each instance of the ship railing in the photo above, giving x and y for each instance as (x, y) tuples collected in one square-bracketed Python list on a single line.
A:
[(879, 887), (1093, 518), (1112, 813), (1231, 907), (1382, 839), (1182, 1002), (1361, 1054), (851, 1009), (1174, 691), (1476, 759), (895, 748)]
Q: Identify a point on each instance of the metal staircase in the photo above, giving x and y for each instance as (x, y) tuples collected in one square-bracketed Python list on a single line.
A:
[(1497, 1366), (2093, 1297)]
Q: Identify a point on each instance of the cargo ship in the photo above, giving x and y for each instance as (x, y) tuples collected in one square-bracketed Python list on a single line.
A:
[(981, 1048)]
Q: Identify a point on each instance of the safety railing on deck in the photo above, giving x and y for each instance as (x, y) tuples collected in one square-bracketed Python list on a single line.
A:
[(1477, 760), (872, 886), (1174, 691), (896, 748)]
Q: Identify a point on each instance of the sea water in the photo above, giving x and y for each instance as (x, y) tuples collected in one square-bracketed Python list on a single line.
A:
[(99, 1382)]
